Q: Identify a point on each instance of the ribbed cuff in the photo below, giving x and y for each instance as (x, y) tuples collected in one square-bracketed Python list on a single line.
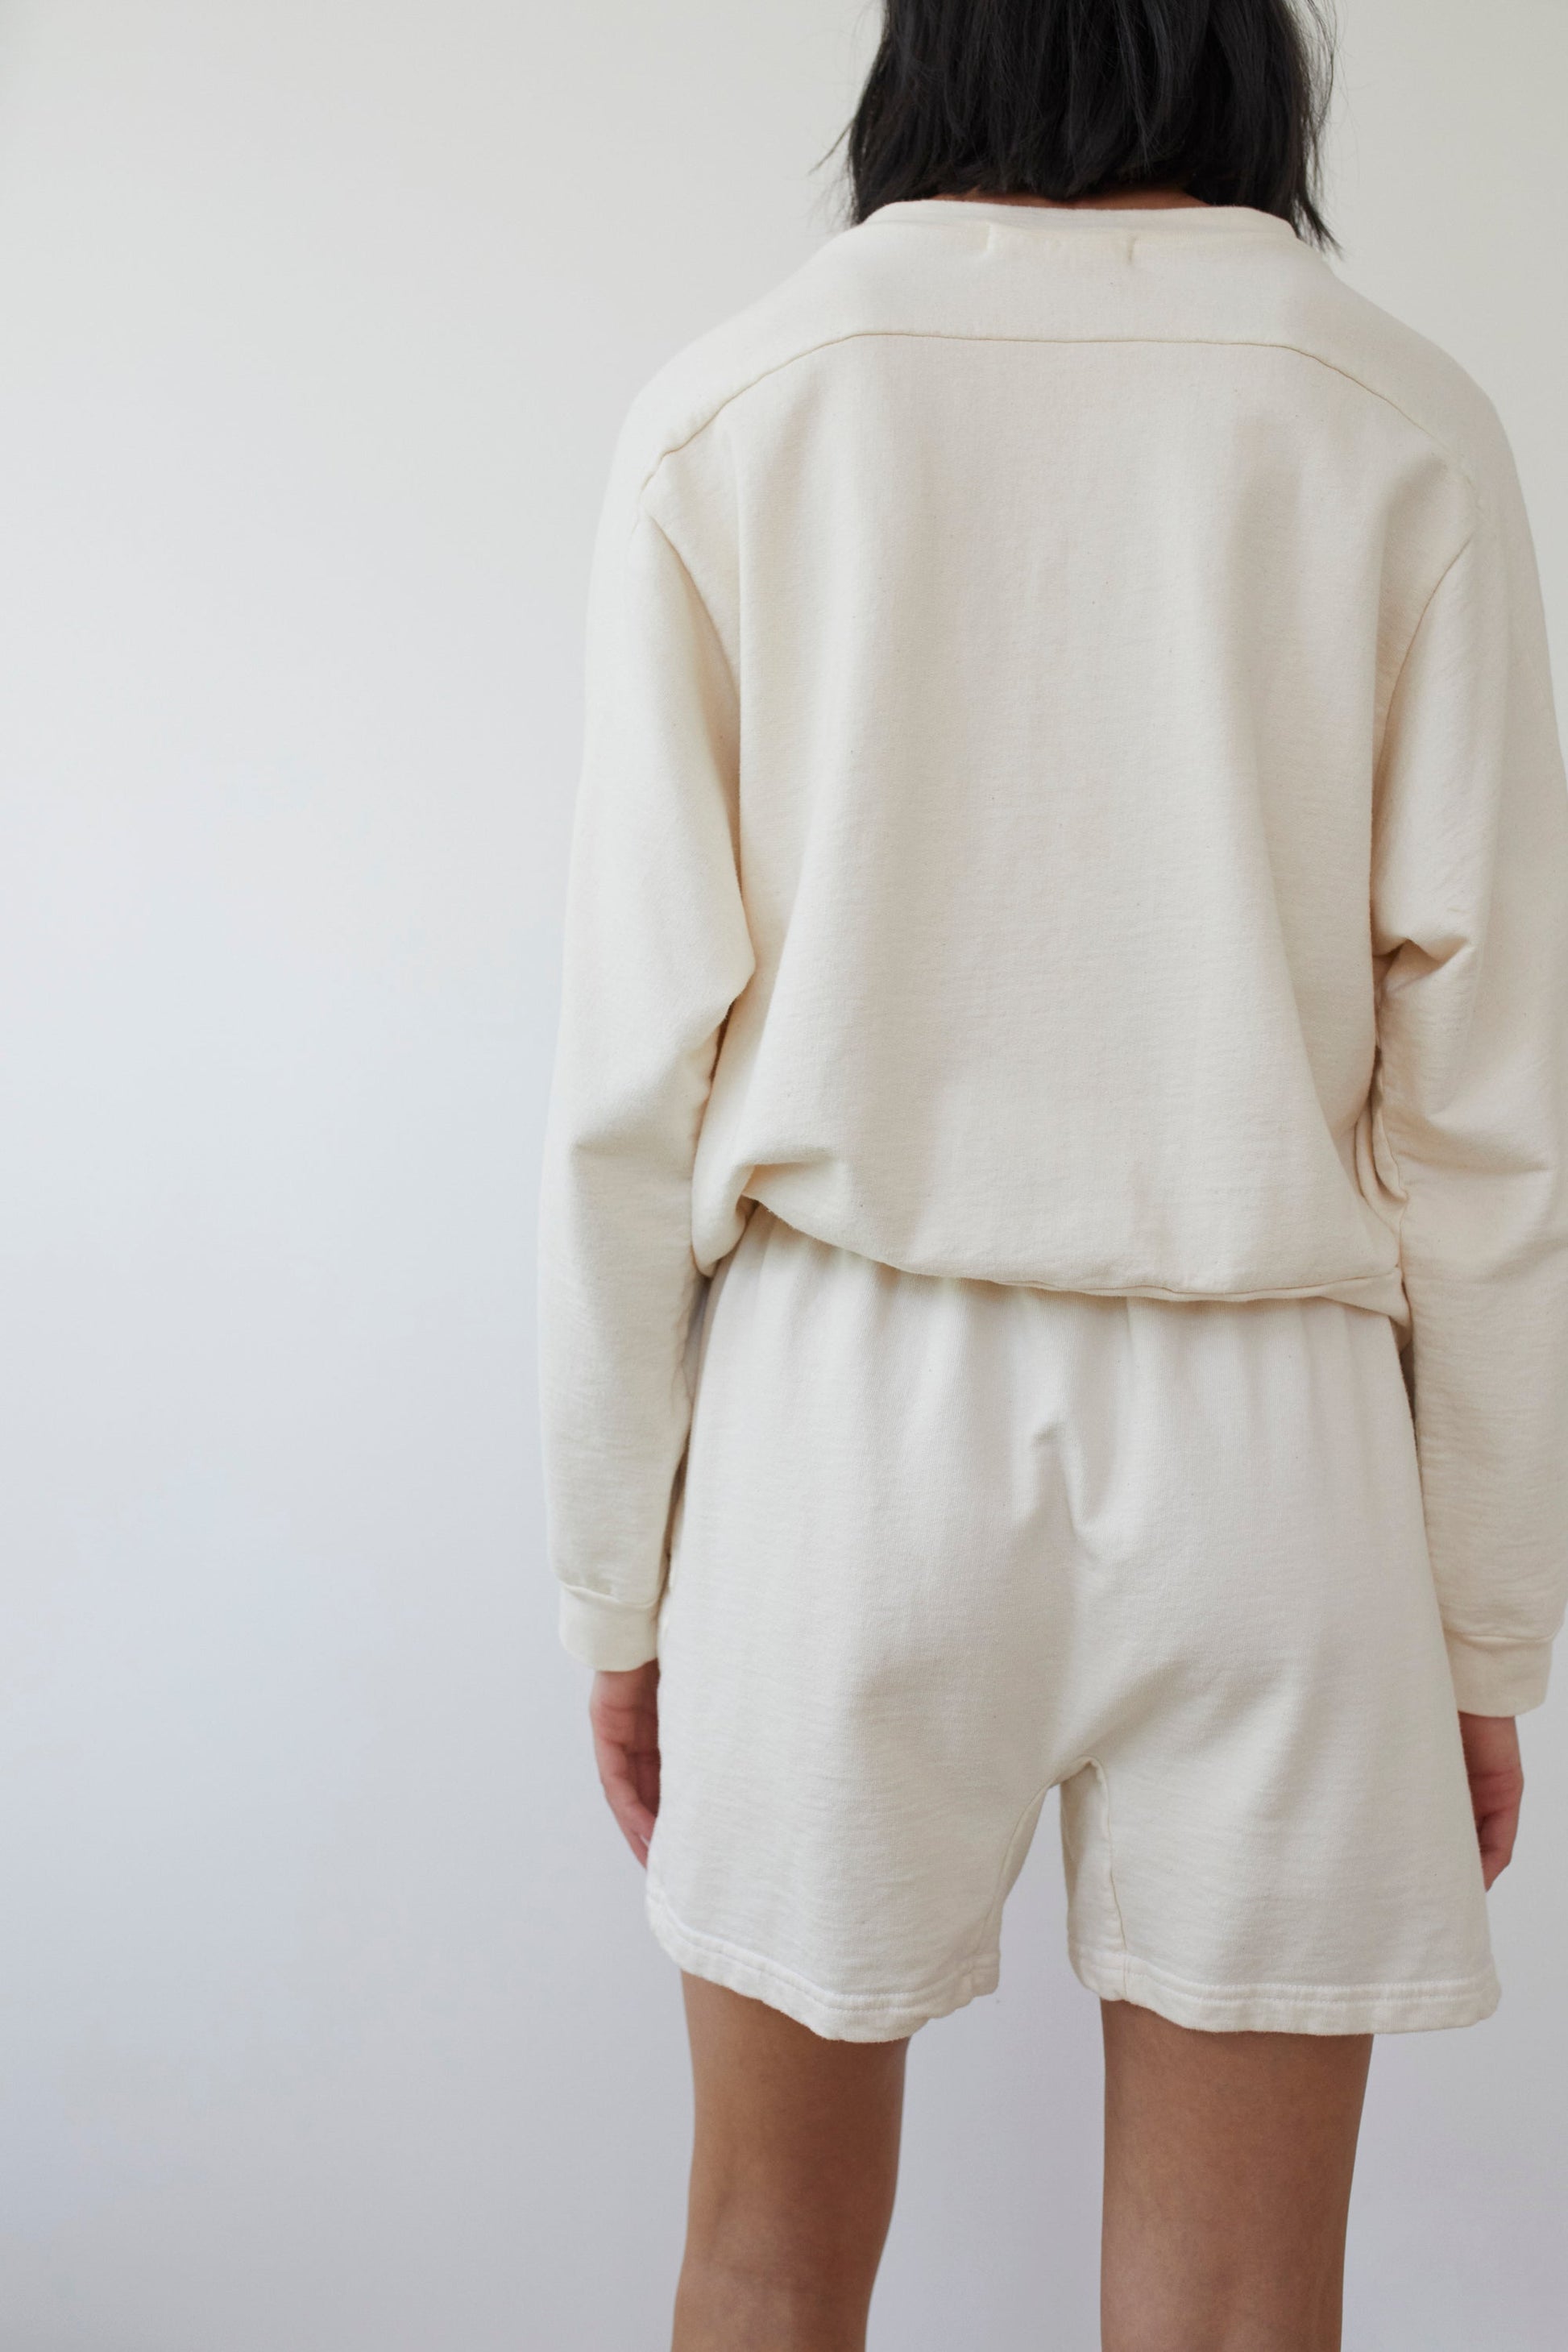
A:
[(1498, 1677), (608, 1635)]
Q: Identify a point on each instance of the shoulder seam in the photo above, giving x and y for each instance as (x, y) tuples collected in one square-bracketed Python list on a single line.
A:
[(1430, 600), (645, 515), (927, 334)]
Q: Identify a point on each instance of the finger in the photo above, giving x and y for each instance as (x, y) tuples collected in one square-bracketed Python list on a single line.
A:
[(627, 1748), (637, 1830), (645, 1776), (625, 1799), (1496, 1832), (1495, 1789), (632, 1816)]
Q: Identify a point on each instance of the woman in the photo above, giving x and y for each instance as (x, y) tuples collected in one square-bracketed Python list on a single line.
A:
[(1054, 1262)]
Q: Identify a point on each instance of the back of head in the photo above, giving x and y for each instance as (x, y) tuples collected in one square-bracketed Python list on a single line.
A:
[(1074, 100)]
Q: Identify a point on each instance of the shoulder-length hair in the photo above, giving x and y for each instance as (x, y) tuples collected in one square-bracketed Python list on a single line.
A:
[(1075, 99)]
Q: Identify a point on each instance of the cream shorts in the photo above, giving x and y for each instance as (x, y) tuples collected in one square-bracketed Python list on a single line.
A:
[(942, 1546)]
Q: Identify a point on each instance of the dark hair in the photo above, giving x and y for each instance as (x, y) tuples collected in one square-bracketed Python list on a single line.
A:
[(1074, 99)]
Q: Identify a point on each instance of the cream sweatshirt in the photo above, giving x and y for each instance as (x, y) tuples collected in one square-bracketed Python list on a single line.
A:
[(1071, 796)]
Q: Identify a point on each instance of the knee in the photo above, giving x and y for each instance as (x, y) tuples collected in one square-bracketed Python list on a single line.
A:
[(1199, 2316), (775, 2230), (752, 2275)]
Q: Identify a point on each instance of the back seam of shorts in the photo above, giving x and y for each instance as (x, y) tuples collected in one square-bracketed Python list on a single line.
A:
[(998, 1900), (1104, 1779)]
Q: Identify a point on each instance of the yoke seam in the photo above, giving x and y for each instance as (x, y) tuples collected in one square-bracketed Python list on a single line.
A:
[(957, 335)]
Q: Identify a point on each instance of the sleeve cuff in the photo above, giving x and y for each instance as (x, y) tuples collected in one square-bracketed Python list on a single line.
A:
[(1498, 1677), (608, 1635)]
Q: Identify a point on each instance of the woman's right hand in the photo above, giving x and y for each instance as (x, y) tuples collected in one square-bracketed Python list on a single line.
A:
[(1497, 1785), (623, 1710)]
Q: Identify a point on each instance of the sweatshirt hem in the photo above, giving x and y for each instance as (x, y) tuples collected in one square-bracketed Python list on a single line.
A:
[(1381, 1291)]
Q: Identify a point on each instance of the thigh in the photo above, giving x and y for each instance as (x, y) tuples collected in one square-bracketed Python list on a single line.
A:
[(1228, 2176), (795, 2163)]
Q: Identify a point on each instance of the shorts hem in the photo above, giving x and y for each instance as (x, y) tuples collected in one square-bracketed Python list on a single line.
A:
[(834, 2016), (1418, 2008)]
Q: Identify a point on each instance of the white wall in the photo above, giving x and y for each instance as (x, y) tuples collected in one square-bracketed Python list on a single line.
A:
[(328, 2020)]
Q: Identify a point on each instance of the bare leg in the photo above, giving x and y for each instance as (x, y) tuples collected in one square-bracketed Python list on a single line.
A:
[(792, 2172), (1227, 2180)]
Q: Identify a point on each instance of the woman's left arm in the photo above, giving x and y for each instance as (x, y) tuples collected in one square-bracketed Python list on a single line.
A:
[(657, 950)]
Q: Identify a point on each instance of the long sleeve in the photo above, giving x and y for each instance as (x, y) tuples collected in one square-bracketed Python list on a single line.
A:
[(1470, 921), (657, 951)]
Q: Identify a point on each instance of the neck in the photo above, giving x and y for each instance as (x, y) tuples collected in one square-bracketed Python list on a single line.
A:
[(1115, 200)]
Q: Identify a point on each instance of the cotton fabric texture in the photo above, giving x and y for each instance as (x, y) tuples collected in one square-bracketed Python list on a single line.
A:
[(942, 1544), (1072, 801)]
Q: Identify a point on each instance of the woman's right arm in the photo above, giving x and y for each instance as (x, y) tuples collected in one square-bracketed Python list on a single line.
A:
[(1470, 917)]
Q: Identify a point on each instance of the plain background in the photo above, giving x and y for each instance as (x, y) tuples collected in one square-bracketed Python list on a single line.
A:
[(329, 2021)]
